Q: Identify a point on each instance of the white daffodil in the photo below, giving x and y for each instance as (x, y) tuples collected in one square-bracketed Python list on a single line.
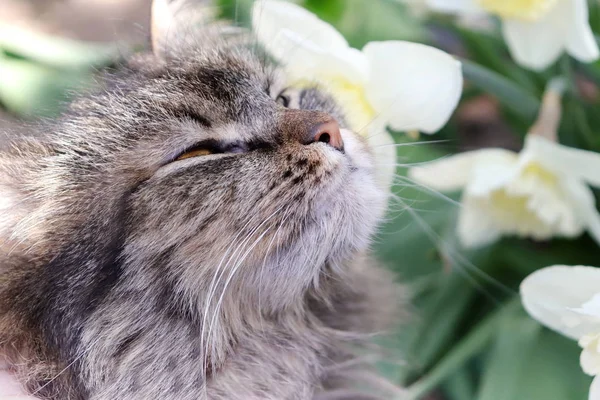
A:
[(407, 86), (567, 300), (537, 31), (540, 192)]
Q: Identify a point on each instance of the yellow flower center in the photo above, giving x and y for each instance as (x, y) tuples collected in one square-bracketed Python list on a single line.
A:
[(536, 171), (515, 207), (529, 10)]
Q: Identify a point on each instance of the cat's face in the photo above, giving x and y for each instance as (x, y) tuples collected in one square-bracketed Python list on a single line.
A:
[(260, 201), (208, 172)]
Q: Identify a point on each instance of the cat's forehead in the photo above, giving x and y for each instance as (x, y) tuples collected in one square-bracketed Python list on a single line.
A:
[(234, 84)]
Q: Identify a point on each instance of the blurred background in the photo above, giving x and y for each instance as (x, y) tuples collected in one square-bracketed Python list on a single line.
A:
[(468, 337)]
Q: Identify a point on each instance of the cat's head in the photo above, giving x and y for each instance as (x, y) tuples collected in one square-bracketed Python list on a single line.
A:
[(199, 167)]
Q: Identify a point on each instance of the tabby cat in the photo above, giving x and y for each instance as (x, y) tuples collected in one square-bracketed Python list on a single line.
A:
[(194, 230)]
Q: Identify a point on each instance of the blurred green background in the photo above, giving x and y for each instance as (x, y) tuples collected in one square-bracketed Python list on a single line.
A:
[(468, 337)]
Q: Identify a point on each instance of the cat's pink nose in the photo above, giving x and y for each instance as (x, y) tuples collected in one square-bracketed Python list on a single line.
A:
[(308, 127), (328, 132)]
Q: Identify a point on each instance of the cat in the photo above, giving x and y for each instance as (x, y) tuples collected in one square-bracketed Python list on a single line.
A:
[(193, 230)]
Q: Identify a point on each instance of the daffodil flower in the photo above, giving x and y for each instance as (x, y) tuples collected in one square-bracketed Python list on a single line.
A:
[(567, 300), (407, 86), (537, 31), (541, 192)]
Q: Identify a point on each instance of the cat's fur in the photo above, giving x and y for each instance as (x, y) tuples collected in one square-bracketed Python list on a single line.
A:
[(242, 275)]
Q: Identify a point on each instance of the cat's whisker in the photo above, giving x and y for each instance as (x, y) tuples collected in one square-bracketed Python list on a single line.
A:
[(434, 192), (65, 369), (410, 144), (458, 259), (219, 271), (211, 294), (262, 267), (410, 165), (236, 267)]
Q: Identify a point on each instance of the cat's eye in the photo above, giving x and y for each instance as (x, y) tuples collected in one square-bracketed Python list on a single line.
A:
[(204, 148), (283, 99), (212, 146), (195, 152)]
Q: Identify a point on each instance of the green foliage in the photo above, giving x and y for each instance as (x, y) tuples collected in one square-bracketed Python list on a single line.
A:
[(38, 72), (468, 337)]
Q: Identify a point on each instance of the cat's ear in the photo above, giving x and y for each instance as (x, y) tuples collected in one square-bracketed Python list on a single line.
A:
[(175, 22)]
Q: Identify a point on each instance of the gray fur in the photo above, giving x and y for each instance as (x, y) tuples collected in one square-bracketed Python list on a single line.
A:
[(240, 275)]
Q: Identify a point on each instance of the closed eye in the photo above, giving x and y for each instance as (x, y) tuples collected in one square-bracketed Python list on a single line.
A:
[(211, 146)]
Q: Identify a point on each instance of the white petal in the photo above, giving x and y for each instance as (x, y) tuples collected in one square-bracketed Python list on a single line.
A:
[(311, 49), (581, 43), (455, 6), (537, 44), (455, 172), (415, 87), (307, 61), (475, 227), (571, 161), (270, 17), (590, 362), (595, 389), (583, 201), (550, 294), (590, 307)]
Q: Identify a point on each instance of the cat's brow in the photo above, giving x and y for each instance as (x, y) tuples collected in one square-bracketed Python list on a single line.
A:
[(190, 113)]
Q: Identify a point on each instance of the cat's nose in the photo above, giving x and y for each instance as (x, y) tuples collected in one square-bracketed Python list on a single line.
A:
[(328, 132), (308, 127)]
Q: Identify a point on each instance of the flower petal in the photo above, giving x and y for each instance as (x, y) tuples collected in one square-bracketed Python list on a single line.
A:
[(475, 227), (455, 6), (271, 17), (550, 294), (581, 43), (590, 307), (595, 389), (413, 86), (576, 162), (455, 172), (309, 63), (311, 49), (537, 44), (583, 201), (590, 362)]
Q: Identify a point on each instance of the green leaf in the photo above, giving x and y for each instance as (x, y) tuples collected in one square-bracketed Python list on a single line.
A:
[(441, 317), (330, 11), (460, 386), (54, 51), (506, 91), (468, 347), (507, 362), (31, 89), (553, 371)]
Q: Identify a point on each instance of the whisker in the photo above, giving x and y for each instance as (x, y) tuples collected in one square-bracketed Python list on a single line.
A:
[(445, 248), (428, 189), (228, 281), (213, 291), (262, 267), (423, 142)]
